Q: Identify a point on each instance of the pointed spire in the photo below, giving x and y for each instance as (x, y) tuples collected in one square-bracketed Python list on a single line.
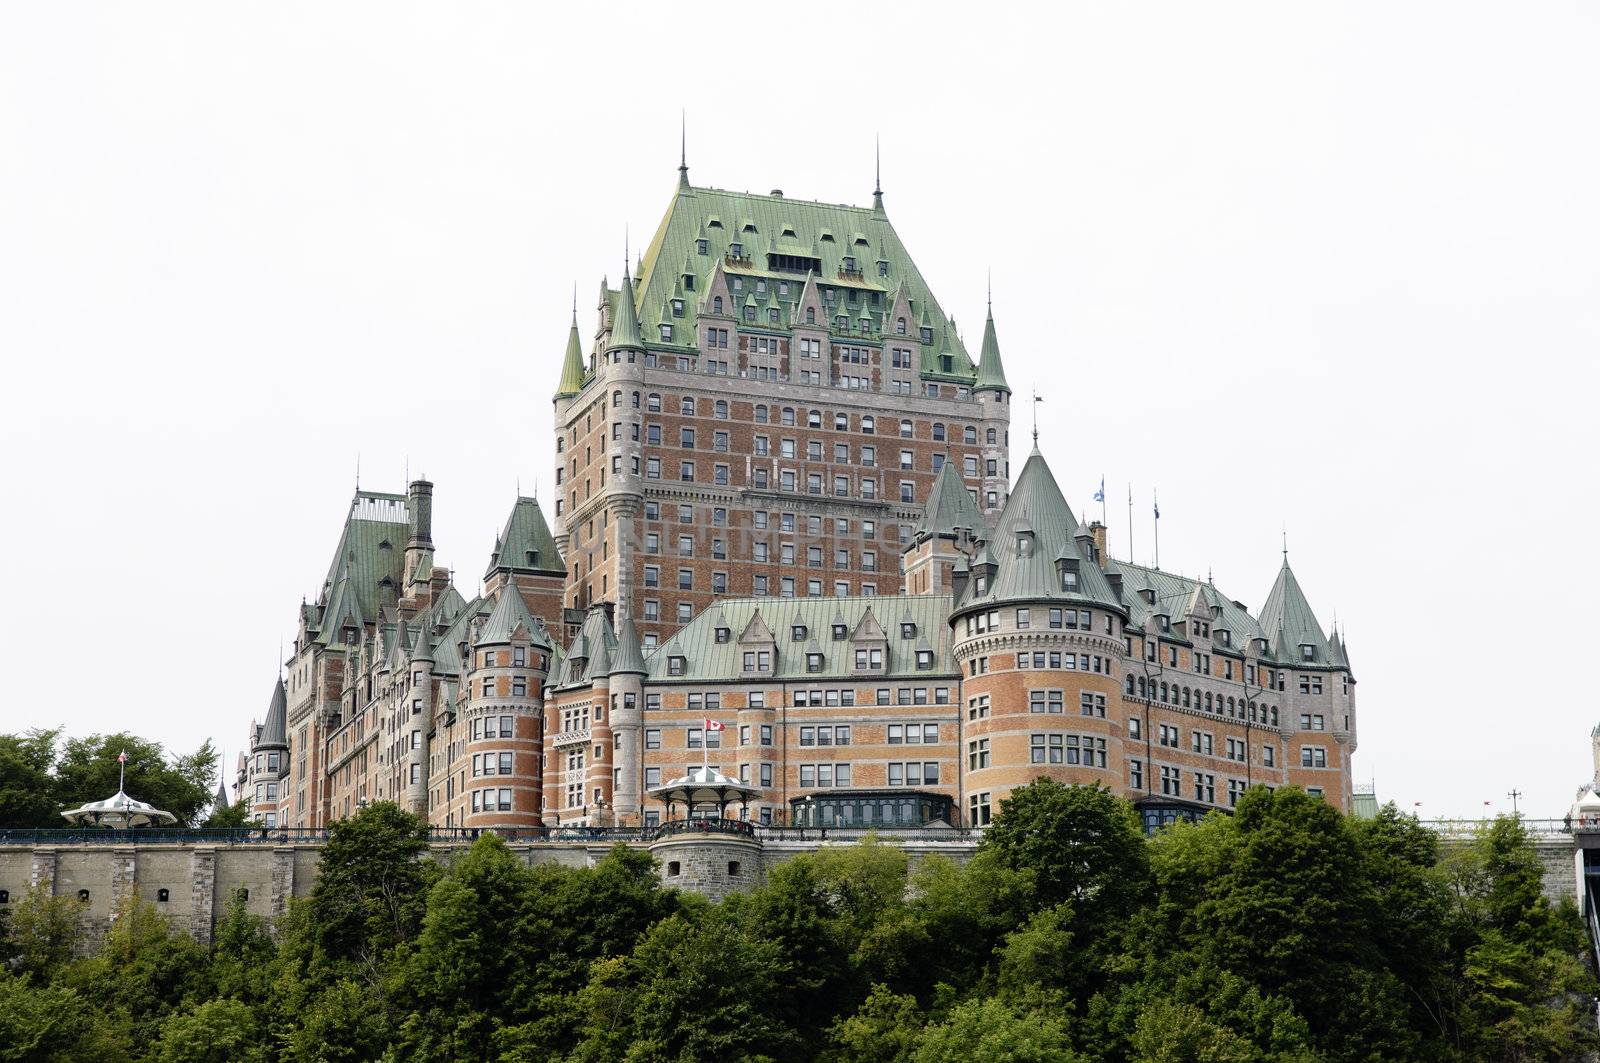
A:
[(991, 372), (625, 327), (572, 363), (950, 506)]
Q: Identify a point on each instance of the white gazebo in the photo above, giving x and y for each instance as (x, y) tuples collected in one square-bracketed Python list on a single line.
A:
[(704, 788), (119, 811)]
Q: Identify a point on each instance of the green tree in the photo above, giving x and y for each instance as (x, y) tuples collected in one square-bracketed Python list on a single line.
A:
[(988, 1030), (38, 934), (27, 788), (144, 970), (371, 886), (697, 990), (1174, 1032), (1082, 844), (88, 771), (40, 1023), (344, 1023), (885, 1029), (235, 816), (216, 1031)]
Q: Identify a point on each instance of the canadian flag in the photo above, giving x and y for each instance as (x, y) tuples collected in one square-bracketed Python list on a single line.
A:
[(715, 725), (122, 758)]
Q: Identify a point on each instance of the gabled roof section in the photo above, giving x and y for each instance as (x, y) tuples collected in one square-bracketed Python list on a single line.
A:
[(592, 651), (1287, 616), (525, 544), (771, 254), (707, 660), (275, 729), (1034, 535), (950, 508)]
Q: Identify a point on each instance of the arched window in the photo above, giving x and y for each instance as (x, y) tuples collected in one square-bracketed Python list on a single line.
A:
[(1141, 686), (716, 305), (990, 436), (1130, 686), (686, 406), (616, 400), (938, 432), (721, 409), (900, 326), (811, 315)]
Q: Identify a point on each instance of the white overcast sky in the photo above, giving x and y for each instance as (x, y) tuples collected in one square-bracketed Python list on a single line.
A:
[(1327, 267)]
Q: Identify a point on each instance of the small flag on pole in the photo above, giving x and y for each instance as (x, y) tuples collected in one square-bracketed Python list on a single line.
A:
[(1156, 505), (122, 758), (715, 725), (1100, 495)]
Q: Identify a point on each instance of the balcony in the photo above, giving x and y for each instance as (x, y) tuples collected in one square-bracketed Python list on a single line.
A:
[(570, 738)]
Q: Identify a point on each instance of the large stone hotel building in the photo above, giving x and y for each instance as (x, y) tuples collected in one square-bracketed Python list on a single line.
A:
[(784, 504)]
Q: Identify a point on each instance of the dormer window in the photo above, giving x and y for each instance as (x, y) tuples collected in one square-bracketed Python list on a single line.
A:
[(850, 263), (1164, 622), (980, 584), (1225, 637), (676, 664), (840, 632), (908, 630), (1308, 652), (701, 246), (883, 267), (926, 335), (797, 633), (736, 250), (666, 333), (385, 545), (723, 634), (813, 662), (677, 308), (924, 660)]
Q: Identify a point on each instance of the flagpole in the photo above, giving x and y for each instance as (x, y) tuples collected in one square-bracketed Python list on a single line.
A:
[(1131, 559), (1155, 504)]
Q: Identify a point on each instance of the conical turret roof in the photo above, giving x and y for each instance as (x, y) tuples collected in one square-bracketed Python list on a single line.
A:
[(991, 372), (275, 731), (1288, 616), (510, 613), (572, 364), (625, 325), (1033, 537), (630, 653)]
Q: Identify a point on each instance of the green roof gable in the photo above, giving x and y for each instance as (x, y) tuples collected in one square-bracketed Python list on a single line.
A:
[(525, 544)]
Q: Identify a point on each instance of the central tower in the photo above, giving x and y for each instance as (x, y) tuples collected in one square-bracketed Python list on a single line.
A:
[(767, 400)]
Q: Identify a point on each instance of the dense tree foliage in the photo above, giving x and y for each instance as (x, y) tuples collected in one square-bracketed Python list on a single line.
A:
[(1285, 932), (40, 775)]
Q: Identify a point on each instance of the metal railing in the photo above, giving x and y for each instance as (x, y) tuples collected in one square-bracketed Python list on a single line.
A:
[(705, 825), (1468, 828)]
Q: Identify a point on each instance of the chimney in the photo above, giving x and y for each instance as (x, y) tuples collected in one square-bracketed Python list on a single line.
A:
[(1099, 532), (419, 507)]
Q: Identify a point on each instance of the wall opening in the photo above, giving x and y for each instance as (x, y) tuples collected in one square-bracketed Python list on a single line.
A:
[(83, 895), (733, 868), (673, 869), (163, 895)]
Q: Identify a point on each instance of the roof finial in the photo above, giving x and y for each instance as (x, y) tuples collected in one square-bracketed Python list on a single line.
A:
[(1286, 542), (1036, 401), (683, 148), (989, 286), (877, 172), (574, 304), (358, 470), (626, 249)]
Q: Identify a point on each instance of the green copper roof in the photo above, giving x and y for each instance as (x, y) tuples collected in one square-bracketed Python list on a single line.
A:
[(1034, 535), (1175, 597), (779, 240), (630, 655), (367, 565), (595, 641), (991, 372), (1288, 620), (525, 544), (749, 620), (625, 326), (572, 364), (950, 507), (511, 613), (275, 729)]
